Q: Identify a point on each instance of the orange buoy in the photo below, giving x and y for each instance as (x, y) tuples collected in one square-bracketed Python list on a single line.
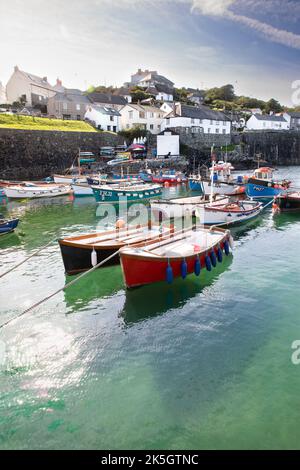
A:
[(120, 223), (167, 184)]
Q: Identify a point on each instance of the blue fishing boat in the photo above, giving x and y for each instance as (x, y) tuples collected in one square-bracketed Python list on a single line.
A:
[(262, 185), (7, 226), (196, 184), (126, 192)]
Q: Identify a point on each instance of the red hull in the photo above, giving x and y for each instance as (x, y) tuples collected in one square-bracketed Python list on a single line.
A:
[(138, 271), (167, 180)]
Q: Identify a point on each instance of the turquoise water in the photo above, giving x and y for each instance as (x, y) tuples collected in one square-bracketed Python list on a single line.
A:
[(204, 363)]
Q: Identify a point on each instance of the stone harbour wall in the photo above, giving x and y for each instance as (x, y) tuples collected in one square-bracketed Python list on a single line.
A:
[(28, 154)]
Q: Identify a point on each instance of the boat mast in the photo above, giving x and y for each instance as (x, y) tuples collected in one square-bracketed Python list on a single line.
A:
[(79, 162), (212, 174)]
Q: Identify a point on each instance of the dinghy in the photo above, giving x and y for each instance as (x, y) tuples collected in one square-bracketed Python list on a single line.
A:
[(82, 252), (181, 254), (34, 191), (229, 213), (8, 226)]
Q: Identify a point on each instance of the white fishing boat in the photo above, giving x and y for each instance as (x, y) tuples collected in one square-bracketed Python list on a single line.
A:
[(226, 213), (229, 213), (180, 207), (34, 191), (82, 189)]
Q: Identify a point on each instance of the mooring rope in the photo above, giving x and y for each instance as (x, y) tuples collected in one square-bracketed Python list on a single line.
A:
[(69, 284), (26, 259)]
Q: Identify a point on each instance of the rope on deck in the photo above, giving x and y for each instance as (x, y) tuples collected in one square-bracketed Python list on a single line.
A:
[(69, 284)]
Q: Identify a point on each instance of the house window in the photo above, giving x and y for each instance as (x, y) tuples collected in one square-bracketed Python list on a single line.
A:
[(115, 128), (201, 121), (224, 123), (193, 121), (152, 115), (151, 127), (130, 113), (78, 117), (108, 128), (224, 131), (65, 105), (142, 115), (217, 123), (77, 107), (159, 127), (168, 120), (217, 131), (208, 130), (111, 118), (211, 122)]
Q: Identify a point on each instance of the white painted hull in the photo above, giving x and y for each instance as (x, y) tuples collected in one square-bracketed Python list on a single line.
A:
[(180, 207), (20, 192), (209, 216), (221, 188), (68, 179), (82, 190)]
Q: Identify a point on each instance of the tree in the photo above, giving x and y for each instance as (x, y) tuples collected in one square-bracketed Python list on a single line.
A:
[(139, 94), (273, 106), (250, 103), (224, 93)]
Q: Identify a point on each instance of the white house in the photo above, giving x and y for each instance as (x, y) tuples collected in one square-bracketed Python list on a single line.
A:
[(259, 122), (144, 117), (167, 108), (32, 89), (293, 119), (197, 119), (102, 117), (2, 94)]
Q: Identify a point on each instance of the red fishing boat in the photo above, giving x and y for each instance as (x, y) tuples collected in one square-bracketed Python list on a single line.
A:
[(180, 254)]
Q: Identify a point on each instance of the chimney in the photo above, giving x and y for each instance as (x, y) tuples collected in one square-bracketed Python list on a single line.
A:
[(16, 68), (58, 82), (44, 79), (139, 71)]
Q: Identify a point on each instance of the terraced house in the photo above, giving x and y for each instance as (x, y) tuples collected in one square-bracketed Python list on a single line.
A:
[(143, 117), (69, 104), (197, 120), (29, 88)]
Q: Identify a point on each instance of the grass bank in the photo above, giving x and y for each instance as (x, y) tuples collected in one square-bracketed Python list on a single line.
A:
[(10, 121)]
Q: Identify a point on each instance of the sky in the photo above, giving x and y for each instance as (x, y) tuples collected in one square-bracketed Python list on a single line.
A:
[(253, 44)]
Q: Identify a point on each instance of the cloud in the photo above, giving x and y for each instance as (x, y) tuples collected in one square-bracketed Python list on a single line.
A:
[(222, 8), (64, 31)]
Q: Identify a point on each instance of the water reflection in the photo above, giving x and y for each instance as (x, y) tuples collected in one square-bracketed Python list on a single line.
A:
[(155, 299)]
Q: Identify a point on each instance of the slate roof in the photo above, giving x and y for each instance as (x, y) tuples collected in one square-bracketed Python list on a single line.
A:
[(164, 89), (105, 110), (202, 112), (69, 95), (295, 115), (37, 80), (107, 98), (269, 117)]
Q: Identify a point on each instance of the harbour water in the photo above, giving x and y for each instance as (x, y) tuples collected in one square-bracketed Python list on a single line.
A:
[(204, 363)]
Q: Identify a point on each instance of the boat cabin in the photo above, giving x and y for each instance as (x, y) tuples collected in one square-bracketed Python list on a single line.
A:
[(222, 171), (264, 173)]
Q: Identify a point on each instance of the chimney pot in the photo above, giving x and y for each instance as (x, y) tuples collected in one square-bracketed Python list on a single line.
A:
[(16, 68)]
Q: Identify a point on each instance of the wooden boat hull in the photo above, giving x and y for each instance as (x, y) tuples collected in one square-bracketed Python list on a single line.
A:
[(178, 207), (77, 259), (288, 202), (209, 215), (77, 254), (8, 226), (139, 270)]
